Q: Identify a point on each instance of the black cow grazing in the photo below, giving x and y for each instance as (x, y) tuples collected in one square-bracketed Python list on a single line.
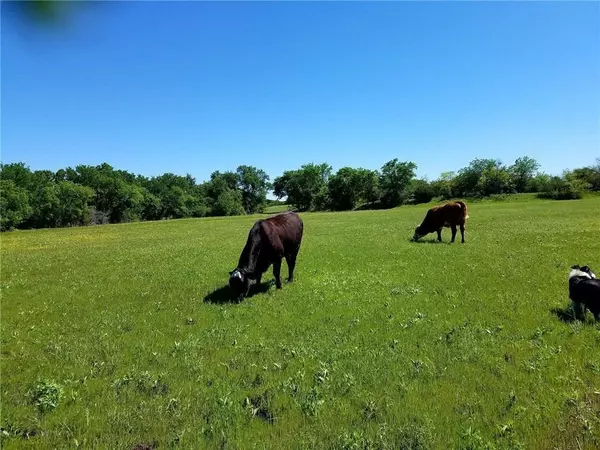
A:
[(269, 241), (584, 292), (448, 215)]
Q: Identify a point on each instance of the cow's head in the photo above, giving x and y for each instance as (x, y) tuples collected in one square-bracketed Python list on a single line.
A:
[(587, 270), (418, 234), (584, 271), (239, 283)]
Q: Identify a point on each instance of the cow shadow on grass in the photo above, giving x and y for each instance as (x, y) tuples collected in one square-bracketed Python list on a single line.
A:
[(427, 241), (223, 294), (564, 314)]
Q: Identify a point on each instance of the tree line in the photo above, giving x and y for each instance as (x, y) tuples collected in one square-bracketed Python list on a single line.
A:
[(316, 187), (101, 194)]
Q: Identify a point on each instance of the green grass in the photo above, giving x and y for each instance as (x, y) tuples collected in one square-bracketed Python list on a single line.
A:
[(107, 341), (276, 209)]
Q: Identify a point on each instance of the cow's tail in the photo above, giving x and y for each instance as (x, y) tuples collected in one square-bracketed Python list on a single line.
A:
[(464, 208)]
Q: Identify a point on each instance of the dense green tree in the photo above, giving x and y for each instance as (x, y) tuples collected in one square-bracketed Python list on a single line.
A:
[(228, 203), (73, 204), (305, 188), (420, 191), (539, 182), (18, 173), (172, 196), (14, 205), (494, 180), (558, 188), (522, 172), (444, 186), (253, 184), (349, 187), (588, 177), (223, 195), (394, 181), (74, 196), (465, 184)]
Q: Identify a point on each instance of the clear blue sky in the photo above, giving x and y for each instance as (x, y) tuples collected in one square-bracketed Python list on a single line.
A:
[(196, 87)]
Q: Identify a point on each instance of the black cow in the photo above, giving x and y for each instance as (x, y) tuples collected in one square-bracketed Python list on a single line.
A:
[(584, 292), (269, 241)]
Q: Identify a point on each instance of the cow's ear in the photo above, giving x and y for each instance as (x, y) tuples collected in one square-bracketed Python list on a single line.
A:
[(576, 266)]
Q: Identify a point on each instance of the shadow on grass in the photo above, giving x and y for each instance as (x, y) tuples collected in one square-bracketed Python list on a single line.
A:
[(223, 294), (564, 314), (373, 206), (427, 241)]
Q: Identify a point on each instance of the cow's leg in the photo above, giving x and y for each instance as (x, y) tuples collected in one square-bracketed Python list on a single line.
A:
[(453, 228), (277, 273), (291, 262), (462, 232), (257, 284), (439, 232), (578, 310)]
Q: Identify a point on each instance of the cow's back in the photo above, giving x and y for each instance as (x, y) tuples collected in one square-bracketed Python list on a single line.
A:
[(452, 213), (288, 227)]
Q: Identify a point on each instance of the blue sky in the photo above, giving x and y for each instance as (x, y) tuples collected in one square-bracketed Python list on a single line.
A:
[(194, 87)]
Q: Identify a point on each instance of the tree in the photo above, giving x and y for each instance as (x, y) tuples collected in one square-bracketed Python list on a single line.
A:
[(151, 206), (14, 205), (59, 204), (522, 172), (343, 189), (229, 203), (369, 180), (114, 195), (494, 180), (173, 196), (45, 205), (394, 181), (224, 197), (559, 188), (444, 186), (539, 183), (586, 176), (254, 184), (305, 188), (420, 191), (18, 173), (349, 187), (73, 204), (281, 185), (465, 184)]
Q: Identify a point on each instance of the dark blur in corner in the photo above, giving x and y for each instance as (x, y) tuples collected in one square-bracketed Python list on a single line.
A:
[(47, 13)]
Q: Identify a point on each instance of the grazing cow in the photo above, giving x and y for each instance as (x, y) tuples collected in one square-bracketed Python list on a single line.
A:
[(584, 292), (448, 215), (268, 242)]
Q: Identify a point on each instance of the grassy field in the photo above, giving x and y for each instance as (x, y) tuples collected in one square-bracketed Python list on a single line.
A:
[(276, 209), (117, 336)]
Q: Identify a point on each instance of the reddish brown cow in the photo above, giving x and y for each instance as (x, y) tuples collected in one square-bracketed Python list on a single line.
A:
[(269, 241), (448, 215)]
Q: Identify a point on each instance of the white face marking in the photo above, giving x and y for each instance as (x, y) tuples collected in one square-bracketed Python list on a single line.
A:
[(237, 274), (579, 273)]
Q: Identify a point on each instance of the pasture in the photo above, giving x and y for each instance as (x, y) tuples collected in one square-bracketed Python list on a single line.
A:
[(122, 336)]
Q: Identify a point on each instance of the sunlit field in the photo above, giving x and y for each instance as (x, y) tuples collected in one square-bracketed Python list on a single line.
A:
[(122, 336)]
